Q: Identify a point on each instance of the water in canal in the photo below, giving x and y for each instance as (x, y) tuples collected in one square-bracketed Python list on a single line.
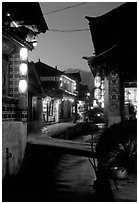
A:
[(52, 176)]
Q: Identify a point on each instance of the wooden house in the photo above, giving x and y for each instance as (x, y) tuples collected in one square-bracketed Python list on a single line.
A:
[(21, 23), (114, 37)]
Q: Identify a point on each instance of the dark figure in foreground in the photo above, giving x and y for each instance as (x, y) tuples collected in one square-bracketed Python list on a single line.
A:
[(116, 148)]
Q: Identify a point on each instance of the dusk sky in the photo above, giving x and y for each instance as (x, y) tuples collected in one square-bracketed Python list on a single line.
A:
[(66, 49)]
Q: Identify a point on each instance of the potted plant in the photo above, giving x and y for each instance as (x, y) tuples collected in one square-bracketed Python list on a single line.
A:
[(123, 159)]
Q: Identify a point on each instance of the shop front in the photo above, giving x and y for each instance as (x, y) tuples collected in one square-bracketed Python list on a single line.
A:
[(50, 109)]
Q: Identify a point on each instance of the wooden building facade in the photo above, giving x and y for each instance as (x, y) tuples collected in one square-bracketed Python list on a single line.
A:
[(20, 26), (114, 37)]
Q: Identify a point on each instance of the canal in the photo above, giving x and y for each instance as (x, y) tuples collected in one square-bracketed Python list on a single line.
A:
[(52, 176)]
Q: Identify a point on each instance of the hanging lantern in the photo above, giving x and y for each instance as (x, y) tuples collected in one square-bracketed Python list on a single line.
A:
[(22, 86), (97, 93), (23, 80), (97, 81), (23, 69), (23, 54)]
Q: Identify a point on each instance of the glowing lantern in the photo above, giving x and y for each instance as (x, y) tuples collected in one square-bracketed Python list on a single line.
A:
[(102, 105), (102, 85), (22, 86), (23, 53), (97, 93), (97, 81), (34, 43), (23, 69)]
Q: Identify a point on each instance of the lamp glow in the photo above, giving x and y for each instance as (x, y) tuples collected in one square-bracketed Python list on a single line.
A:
[(102, 105), (34, 43), (102, 85), (8, 14), (22, 86), (23, 53), (61, 84), (23, 69), (97, 81), (97, 93)]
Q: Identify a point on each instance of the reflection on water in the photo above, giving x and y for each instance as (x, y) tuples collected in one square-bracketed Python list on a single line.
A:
[(73, 177)]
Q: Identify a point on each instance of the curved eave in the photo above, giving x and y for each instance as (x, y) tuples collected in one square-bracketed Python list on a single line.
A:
[(18, 40), (29, 13), (46, 70), (94, 60)]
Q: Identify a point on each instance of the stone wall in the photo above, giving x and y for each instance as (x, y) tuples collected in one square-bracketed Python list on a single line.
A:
[(14, 138), (10, 110)]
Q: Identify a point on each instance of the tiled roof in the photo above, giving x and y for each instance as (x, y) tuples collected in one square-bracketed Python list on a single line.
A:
[(75, 76), (117, 27), (44, 70)]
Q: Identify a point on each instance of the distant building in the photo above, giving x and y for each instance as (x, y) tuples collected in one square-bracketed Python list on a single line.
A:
[(82, 100), (55, 100)]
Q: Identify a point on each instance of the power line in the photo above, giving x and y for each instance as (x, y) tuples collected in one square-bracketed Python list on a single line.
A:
[(67, 31), (63, 8)]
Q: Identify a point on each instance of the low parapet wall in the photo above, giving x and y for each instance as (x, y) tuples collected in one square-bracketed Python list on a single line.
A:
[(14, 138)]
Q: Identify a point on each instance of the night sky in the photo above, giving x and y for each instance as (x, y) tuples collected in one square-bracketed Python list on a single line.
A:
[(66, 49)]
